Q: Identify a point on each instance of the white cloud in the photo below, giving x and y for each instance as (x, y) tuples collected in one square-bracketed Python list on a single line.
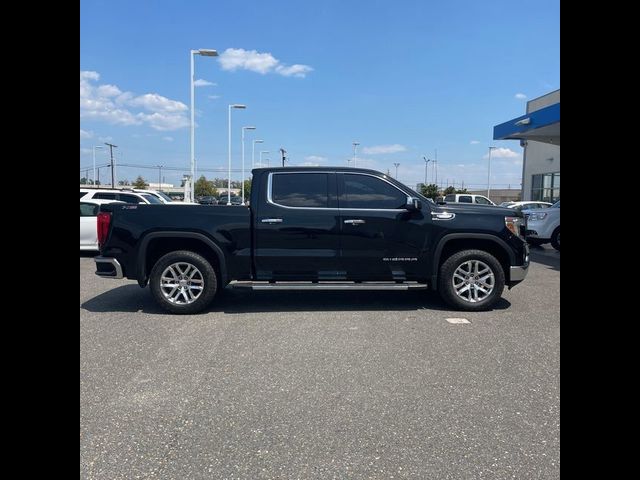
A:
[(379, 149), (240, 59), (85, 134), (109, 104), (203, 83), (294, 70), (85, 151), (520, 96), (502, 153), (314, 160), (213, 97), (474, 142), (168, 139)]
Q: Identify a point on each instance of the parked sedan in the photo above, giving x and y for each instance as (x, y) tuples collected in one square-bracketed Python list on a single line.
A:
[(88, 222)]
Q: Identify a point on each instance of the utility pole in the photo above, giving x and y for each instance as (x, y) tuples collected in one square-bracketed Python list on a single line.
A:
[(397, 165), (111, 147), (159, 177), (282, 152), (436, 165)]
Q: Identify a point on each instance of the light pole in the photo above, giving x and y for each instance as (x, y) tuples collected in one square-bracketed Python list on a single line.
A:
[(489, 174), (355, 160), (253, 153), (243, 129), (234, 105), (205, 52), (159, 177), (261, 152), (426, 164), (94, 162), (267, 159), (397, 165)]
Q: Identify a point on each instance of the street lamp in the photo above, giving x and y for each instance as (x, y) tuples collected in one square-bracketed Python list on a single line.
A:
[(159, 177), (205, 52), (243, 129), (489, 174), (253, 153), (426, 164), (355, 161), (234, 105), (397, 165), (94, 162), (261, 152)]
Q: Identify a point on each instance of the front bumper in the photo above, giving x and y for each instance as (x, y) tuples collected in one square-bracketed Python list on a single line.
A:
[(517, 274), (108, 267)]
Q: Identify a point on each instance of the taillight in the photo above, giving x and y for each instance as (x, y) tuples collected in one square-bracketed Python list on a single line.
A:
[(104, 219)]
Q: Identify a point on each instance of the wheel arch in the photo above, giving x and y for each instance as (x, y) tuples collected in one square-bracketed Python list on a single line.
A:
[(455, 242), (156, 244)]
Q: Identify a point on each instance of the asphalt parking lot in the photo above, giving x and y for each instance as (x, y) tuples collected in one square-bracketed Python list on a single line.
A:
[(320, 385)]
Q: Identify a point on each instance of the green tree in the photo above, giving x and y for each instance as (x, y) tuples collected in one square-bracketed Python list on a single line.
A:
[(139, 183), (83, 181), (461, 190), (204, 188), (449, 190), (127, 182), (430, 191), (247, 189)]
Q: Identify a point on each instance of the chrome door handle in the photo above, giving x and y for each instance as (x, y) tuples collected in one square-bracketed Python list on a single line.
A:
[(271, 220), (354, 222)]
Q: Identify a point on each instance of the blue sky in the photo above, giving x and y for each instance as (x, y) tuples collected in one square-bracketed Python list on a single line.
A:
[(402, 78)]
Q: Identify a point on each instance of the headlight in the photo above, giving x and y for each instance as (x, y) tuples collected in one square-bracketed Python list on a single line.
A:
[(514, 225), (537, 216)]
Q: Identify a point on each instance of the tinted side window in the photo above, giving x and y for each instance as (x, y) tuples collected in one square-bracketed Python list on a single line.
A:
[(129, 198), (82, 194), (300, 189), (450, 198), (106, 196), (363, 191), (482, 201), (465, 199), (89, 210)]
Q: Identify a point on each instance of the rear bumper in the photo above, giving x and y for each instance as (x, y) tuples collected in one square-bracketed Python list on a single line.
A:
[(108, 267)]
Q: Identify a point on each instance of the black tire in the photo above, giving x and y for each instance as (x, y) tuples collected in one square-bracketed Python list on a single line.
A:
[(207, 274), (555, 239), (535, 242), (446, 280)]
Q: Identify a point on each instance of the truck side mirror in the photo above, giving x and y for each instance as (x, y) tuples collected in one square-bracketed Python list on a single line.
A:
[(413, 204)]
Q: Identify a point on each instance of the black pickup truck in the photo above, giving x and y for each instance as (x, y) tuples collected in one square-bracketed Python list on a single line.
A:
[(315, 228)]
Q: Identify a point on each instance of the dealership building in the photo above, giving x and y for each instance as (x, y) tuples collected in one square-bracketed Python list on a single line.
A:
[(539, 133)]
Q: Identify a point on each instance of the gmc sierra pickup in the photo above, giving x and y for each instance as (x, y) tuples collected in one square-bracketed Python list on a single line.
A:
[(316, 228)]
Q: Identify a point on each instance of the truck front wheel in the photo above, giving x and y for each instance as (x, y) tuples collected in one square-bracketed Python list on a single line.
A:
[(183, 282), (471, 280)]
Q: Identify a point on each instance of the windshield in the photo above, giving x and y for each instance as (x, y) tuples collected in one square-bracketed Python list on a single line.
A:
[(165, 196), (151, 198)]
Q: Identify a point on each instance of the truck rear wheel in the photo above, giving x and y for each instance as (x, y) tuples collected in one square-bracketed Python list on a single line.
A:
[(471, 280), (183, 282)]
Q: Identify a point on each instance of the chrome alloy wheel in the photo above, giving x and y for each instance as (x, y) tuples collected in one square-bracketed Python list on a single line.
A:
[(181, 283), (473, 281)]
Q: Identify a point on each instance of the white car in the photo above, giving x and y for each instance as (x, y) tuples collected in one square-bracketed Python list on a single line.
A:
[(89, 222), (543, 225), (467, 198), (127, 196), (528, 205)]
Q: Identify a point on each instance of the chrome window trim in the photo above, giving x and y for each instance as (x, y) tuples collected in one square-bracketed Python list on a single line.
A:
[(270, 186), (270, 198)]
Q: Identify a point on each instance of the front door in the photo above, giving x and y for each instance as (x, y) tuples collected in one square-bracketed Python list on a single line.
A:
[(297, 227), (381, 240)]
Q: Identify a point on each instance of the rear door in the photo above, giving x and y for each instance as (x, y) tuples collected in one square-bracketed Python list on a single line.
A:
[(297, 227), (381, 240)]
